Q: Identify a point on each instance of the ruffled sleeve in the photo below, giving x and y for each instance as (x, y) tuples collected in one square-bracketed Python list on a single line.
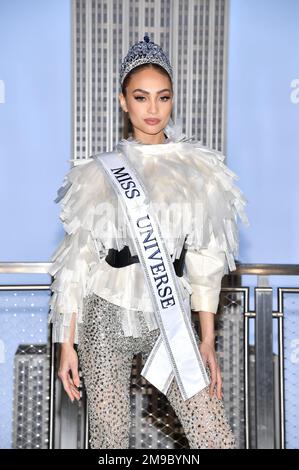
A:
[(213, 243), (205, 269), (74, 256)]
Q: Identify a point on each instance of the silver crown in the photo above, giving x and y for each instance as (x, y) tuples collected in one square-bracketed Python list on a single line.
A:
[(141, 53)]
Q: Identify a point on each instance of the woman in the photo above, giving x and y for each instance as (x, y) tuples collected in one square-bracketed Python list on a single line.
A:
[(100, 299)]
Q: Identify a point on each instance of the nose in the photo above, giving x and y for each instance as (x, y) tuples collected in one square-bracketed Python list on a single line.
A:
[(153, 107)]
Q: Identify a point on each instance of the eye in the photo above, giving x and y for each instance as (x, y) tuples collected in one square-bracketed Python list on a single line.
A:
[(138, 98)]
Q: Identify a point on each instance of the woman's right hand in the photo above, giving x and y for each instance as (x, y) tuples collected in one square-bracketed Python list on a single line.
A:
[(69, 362)]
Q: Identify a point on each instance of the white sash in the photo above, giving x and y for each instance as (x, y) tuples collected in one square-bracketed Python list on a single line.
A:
[(175, 353)]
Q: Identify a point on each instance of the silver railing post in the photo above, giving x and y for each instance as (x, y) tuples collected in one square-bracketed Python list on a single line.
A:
[(264, 373)]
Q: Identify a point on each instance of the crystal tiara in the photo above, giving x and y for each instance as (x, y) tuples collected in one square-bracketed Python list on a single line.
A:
[(144, 52)]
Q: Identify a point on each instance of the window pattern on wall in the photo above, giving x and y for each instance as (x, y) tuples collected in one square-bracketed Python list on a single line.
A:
[(192, 32)]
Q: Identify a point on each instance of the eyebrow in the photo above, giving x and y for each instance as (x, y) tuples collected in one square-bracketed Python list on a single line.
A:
[(147, 92)]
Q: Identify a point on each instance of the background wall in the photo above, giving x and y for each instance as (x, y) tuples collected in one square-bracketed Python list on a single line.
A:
[(263, 123), (35, 124)]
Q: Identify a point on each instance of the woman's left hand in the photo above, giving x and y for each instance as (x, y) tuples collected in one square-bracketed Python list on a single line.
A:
[(208, 353)]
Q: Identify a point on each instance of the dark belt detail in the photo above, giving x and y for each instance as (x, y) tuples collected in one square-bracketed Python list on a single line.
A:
[(122, 258)]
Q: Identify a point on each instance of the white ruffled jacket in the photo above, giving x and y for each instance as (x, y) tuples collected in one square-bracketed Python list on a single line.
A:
[(180, 174)]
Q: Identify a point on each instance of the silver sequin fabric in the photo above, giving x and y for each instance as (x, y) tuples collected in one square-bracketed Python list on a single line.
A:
[(105, 357)]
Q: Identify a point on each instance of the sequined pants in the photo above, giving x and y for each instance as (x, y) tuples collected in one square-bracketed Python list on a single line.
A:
[(105, 357)]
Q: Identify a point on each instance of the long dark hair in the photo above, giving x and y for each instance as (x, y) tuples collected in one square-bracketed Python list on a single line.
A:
[(128, 128)]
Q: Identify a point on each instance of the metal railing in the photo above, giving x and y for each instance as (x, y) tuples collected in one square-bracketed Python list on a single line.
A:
[(265, 428)]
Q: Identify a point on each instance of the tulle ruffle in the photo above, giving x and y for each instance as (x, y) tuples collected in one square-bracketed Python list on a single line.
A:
[(185, 173)]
